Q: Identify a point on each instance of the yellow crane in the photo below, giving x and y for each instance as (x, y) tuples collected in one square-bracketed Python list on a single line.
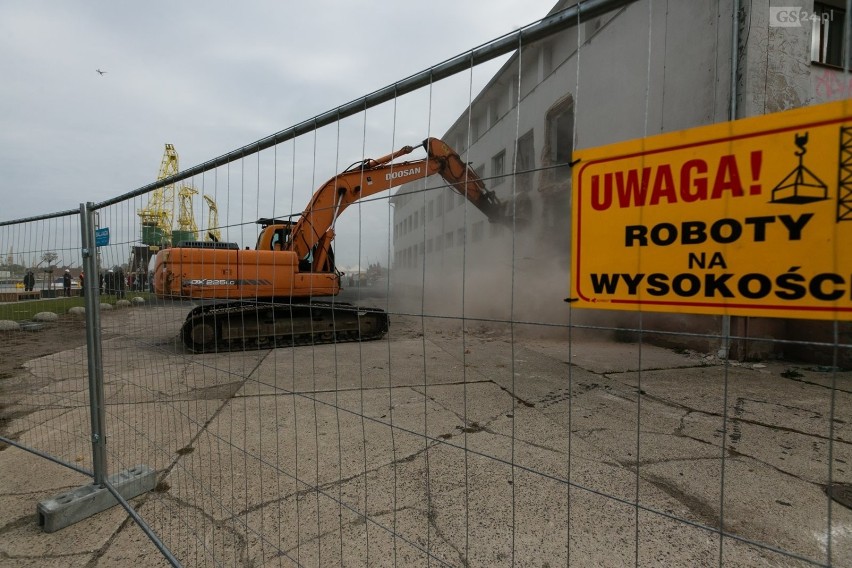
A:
[(213, 233), (157, 216), (187, 229)]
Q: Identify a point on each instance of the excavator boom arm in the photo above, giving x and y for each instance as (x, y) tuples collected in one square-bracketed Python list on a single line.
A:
[(312, 234)]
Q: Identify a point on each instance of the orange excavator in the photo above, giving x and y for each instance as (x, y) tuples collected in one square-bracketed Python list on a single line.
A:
[(265, 297)]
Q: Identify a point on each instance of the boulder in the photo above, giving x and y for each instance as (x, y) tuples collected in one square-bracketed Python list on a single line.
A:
[(9, 325), (45, 316)]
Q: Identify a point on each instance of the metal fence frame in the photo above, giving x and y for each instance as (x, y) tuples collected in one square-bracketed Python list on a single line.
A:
[(112, 487)]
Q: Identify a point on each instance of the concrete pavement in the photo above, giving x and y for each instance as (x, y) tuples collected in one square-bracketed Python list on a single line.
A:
[(482, 448)]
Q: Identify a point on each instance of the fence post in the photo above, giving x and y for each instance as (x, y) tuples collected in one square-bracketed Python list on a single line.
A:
[(73, 506), (93, 342)]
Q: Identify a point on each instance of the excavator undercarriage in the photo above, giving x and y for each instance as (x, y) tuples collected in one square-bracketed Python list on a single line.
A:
[(237, 326)]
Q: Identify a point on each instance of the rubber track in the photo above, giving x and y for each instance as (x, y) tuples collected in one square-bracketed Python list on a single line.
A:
[(254, 310)]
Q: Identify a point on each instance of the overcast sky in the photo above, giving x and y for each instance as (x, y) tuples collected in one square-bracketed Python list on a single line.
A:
[(207, 77)]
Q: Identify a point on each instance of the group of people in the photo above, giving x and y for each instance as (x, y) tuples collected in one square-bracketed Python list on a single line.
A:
[(112, 282)]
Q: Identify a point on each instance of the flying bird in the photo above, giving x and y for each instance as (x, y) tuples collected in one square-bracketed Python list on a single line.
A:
[(102, 73)]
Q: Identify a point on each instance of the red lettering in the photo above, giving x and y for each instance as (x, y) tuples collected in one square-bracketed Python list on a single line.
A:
[(602, 202), (632, 187), (727, 178), (693, 188), (664, 186), (693, 184), (756, 162)]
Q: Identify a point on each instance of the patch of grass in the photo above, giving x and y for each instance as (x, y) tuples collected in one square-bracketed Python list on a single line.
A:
[(19, 311), (25, 310)]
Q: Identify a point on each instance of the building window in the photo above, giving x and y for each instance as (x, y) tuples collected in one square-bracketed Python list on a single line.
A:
[(439, 208), (431, 210), (562, 136), (558, 146), (450, 202), (415, 219), (429, 245), (525, 162), (460, 237), (498, 164), (448, 240), (827, 36)]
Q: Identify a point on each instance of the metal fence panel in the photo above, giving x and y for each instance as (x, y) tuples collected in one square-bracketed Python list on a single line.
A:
[(493, 424)]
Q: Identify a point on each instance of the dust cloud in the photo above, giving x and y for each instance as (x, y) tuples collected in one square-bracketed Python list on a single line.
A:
[(498, 282)]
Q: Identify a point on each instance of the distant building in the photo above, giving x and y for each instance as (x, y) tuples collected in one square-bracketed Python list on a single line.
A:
[(551, 97)]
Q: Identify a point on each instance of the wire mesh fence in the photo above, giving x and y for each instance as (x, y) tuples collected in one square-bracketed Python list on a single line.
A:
[(50, 405), (492, 423)]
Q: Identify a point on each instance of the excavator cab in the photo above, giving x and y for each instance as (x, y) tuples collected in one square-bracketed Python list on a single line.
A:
[(280, 238), (275, 234)]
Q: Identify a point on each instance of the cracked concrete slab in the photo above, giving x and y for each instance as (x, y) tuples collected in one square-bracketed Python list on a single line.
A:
[(436, 446), (349, 366), (602, 357)]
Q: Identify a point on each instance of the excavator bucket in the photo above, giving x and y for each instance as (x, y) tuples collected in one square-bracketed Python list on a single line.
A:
[(463, 179)]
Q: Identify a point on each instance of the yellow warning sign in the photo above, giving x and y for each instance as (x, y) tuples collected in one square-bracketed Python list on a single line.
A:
[(750, 217)]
